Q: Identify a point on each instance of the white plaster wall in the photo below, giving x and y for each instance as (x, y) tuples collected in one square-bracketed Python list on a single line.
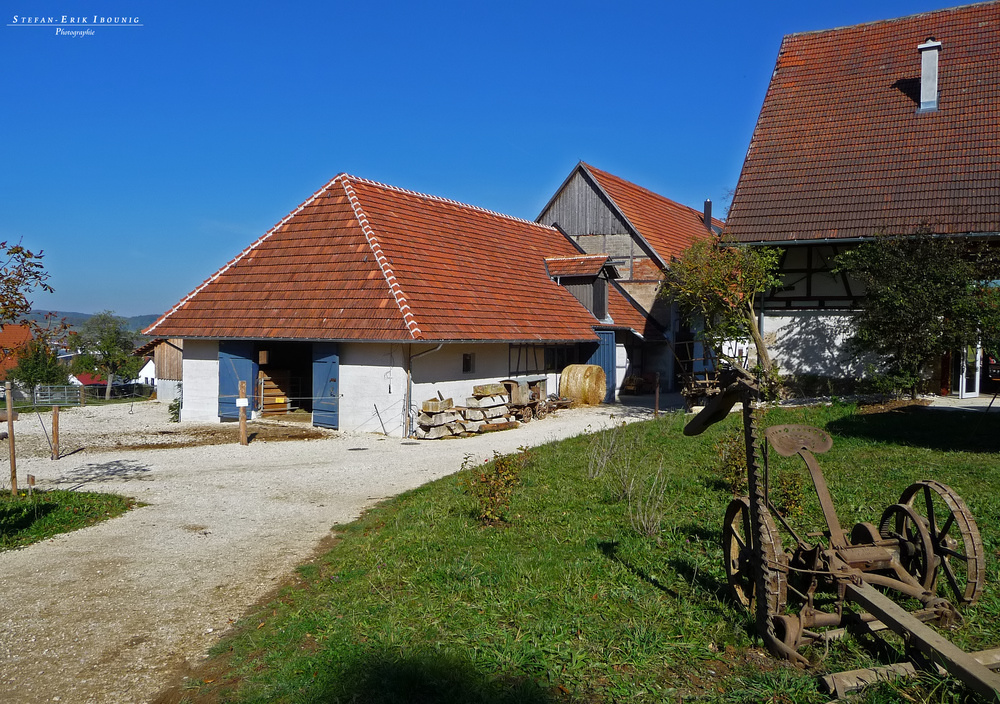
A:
[(441, 371), (621, 366), (812, 342), (200, 368), (372, 375), (167, 390)]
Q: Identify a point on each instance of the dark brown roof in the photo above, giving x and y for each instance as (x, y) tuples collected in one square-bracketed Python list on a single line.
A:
[(666, 225), (840, 151), (361, 260)]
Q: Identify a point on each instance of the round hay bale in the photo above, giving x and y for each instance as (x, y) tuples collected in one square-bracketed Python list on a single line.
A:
[(583, 383)]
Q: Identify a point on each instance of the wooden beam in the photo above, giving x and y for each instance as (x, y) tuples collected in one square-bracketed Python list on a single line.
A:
[(936, 647)]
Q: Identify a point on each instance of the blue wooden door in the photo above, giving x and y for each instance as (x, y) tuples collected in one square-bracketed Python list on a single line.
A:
[(604, 357), (326, 387), (236, 364)]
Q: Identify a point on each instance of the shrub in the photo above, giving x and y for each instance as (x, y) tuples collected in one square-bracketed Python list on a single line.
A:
[(174, 408), (492, 484)]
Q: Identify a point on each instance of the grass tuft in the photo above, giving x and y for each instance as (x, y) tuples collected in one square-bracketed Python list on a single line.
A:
[(30, 518)]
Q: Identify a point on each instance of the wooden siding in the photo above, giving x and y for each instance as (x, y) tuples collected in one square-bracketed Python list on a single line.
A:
[(583, 213), (168, 356), (580, 209)]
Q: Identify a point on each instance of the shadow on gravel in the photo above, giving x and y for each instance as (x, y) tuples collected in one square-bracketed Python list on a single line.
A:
[(115, 471)]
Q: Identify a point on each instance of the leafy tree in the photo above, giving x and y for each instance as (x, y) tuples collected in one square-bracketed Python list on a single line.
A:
[(38, 364), (924, 296), (107, 344), (21, 272), (718, 282)]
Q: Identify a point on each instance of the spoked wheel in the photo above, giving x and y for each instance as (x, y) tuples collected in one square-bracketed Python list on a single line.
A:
[(526, 414), (954, 537), (916, 551), (739, 554)]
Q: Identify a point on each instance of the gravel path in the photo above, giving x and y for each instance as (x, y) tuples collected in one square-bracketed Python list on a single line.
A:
[(107, 614)]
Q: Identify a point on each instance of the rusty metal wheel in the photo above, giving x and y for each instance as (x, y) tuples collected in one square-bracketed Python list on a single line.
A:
[(956, 543), (738, 553), (916, 551)]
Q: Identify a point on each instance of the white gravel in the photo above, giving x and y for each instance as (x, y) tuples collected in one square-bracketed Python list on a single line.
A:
[(107, 614)]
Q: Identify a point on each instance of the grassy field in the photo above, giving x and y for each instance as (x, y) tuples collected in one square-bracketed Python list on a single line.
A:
[(580, 595), (29, 518)]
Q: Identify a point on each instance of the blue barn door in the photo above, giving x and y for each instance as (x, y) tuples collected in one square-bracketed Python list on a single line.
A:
[(326, 387), (604, 357), (236, 364)]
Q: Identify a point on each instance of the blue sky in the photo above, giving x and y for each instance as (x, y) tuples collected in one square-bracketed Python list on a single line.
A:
[(142, 158)]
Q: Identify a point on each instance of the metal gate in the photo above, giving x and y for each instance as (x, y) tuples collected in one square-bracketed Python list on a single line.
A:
[(326, 387), (604, 357), (236, 364)]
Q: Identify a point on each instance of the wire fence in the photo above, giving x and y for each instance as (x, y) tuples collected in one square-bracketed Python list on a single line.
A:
[(44, 396)]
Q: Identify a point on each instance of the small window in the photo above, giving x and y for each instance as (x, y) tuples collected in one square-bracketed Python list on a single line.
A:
[(468, 363)]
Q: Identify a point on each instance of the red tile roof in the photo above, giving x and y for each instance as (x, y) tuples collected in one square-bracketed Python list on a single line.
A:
[(12, 339), (361, 260), (840, 151), (582, 265), (667, 226)]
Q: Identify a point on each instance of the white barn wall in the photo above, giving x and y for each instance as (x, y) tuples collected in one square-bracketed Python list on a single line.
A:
[(201, 381), (811, 342), (372, 375)]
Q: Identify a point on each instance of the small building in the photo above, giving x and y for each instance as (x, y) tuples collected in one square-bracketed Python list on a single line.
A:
[(889, 127), (163, 368), (368, 299), (13, 339), (639, 231)]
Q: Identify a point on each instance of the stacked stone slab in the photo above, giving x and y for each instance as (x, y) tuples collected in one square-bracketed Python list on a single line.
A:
[(438, 419), (485, 411), (488, 406)]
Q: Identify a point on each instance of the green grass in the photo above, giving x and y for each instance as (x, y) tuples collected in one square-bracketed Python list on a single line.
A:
[(420, 602), (27, 519)]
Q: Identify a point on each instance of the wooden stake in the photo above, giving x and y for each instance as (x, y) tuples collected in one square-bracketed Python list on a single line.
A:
[(83, 395), (656, 396), (9, 396), (55, 432), (243, 414)]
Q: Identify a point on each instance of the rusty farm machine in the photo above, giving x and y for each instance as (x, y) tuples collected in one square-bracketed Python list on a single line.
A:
[(925, 551)]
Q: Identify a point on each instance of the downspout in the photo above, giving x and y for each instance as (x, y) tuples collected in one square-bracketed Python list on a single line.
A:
[(409, 385)]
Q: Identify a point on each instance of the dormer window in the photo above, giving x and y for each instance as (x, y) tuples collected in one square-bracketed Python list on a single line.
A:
[(586, 277)]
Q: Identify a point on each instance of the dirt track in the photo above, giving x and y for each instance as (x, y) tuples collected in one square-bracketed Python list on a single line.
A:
[(108, 613)]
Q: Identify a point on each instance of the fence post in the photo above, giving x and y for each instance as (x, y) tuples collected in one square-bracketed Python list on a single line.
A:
[(9, 395), (83, 395), (55, 432), (656, 405), (242, 403)]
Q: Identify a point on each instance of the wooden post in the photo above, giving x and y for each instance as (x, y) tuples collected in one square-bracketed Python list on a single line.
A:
[(656, 396), (9, 396), (242, 403), (83, 395), (55, 432)]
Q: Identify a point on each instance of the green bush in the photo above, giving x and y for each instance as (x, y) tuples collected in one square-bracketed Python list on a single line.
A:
[(492, 484)]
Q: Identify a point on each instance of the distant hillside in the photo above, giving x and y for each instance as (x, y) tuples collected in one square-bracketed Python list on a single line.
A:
[(75, 320)]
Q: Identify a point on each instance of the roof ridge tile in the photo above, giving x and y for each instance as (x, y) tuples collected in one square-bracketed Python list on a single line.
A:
[(232, 262), (381, 259), (442, 199)]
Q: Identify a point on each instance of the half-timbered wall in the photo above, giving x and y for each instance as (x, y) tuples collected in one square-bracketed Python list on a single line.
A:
[(810, 283)]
